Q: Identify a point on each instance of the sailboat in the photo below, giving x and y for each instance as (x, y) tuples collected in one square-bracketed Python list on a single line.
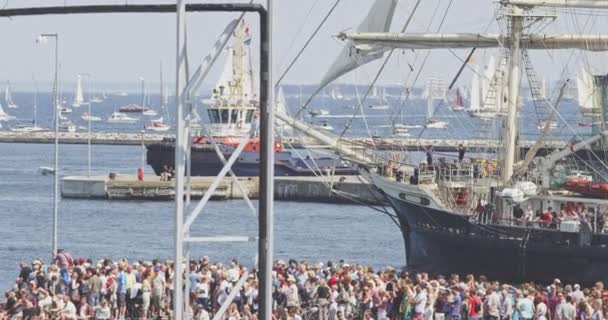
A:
[(148, 111), (78, 97), (335, 93), (97, 98), (458, 101), (431, 121), (5, 116), (469, 218), (483, 86), (8, 99), (383, 105), (135, 108), (34, 127), (159, 124)]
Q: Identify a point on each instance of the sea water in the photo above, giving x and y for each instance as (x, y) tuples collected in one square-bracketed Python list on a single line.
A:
[(145, 229)]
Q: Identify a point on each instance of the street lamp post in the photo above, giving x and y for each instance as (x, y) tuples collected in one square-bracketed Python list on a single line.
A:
[(143, 150), (42, 39), (89, 130)]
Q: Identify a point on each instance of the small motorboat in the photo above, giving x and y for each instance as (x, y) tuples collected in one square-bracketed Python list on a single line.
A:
[(378, 106), (543, 124), (88, 117), (46, 171), (318, 112), (133, 108), (26, 128), (436, 124), (67, 126), (150, 113), (96, 100), (65, 110), (157, 126), (326, 126), (401, 132)]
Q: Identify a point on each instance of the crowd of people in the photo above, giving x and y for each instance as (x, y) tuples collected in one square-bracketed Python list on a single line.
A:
[(74, 289)]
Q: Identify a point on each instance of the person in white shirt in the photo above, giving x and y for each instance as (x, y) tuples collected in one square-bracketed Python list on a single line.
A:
[(69, 309), (420, 302), (577, 294)]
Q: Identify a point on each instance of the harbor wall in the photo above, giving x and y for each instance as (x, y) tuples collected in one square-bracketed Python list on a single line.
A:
[(307, 189)]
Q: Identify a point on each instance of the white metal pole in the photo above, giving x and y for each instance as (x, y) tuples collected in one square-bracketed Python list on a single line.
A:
[(89, 137), (56, 166), (179, 160)]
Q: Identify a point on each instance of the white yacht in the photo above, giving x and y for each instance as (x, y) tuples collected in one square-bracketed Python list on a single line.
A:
[(318, 112), (88, 117), (118, 117)]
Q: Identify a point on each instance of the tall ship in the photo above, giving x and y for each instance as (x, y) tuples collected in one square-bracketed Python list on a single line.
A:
[(505, 216), (231, 112)]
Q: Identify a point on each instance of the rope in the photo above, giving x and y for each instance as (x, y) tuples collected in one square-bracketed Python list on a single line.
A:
[(384, 63), (307, 43)]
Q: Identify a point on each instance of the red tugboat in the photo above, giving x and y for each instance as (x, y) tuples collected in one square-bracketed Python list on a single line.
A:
[(231, 112)]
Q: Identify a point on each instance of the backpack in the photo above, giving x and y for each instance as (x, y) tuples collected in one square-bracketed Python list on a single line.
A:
[(477, 306)]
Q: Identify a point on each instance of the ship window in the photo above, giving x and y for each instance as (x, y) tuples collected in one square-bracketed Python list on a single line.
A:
[(233, 116), (214, 115), (415, 199), (224, 115), (249, 116)]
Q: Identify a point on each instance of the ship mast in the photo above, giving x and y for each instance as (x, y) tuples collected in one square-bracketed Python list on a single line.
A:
[(509, 129), (236, 86)]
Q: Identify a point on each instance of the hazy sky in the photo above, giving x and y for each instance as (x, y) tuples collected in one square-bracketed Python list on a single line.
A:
[(121, 47)]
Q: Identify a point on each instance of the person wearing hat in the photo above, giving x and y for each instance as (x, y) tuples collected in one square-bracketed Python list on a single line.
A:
[(290, 290)]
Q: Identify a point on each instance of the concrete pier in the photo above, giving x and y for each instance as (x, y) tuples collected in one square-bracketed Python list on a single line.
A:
[(384, 143), (306, 189)]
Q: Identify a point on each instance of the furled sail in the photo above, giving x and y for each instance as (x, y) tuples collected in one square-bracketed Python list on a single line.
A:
[(378, 19)]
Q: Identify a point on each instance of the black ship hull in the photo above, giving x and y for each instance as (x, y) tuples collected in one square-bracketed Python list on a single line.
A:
[(441, 242), (205, 162)]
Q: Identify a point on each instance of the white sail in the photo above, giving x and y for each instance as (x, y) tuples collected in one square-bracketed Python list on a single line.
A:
[(375, 92), (430, 107), (166, 95), (585, 88), (78, 97), (378, 19), (8, 97), (475, 100), (281, 107)]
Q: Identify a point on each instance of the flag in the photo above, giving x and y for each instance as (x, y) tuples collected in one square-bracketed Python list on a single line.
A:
[(247, 36)]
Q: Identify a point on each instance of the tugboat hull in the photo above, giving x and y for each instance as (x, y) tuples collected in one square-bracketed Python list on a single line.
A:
[(205, 162)]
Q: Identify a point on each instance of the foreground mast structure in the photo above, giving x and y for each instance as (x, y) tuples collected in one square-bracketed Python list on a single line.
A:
[(516, 42), (186, 85)]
